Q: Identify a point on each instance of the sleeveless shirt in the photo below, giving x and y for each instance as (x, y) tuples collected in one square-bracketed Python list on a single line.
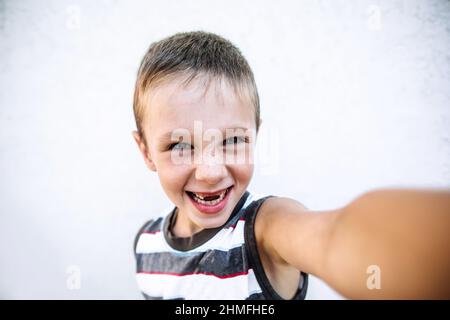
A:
[(219, 263)]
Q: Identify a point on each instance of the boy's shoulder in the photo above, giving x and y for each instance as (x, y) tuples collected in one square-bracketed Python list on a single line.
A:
[(266, 212), (278, 204), (275, 208)]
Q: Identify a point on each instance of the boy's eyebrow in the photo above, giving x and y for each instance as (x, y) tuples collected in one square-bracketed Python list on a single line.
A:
[(168, 135)]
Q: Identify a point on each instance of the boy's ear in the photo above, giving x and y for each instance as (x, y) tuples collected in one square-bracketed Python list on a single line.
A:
[(143, 149)]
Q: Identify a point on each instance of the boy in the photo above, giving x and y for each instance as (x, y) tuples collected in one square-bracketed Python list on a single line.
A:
[(197, 114)]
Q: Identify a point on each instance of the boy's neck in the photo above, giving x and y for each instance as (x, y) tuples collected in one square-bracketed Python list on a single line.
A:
[(183, 228)]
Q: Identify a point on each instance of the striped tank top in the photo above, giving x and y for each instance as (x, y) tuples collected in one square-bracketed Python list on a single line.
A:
[(219, 263)]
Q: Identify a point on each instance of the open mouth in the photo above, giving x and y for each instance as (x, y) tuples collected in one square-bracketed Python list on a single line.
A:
[(209, 198)]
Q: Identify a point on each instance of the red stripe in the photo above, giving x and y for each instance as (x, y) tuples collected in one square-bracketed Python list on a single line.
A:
[(193, 273), (234, 225), (151, 232)]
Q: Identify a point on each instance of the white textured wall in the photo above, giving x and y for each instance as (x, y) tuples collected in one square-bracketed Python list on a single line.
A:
[(355, 95)]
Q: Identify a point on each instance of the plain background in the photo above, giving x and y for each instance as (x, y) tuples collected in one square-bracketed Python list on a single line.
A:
[(354, 96)]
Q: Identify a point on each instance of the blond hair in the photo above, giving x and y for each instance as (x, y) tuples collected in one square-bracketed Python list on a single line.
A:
[(193, 54)]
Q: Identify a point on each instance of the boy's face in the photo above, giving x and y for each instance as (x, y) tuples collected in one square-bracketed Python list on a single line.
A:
[(191, 147)]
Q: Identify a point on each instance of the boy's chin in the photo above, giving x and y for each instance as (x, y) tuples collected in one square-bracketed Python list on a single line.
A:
[(211, 220), (215, 220)]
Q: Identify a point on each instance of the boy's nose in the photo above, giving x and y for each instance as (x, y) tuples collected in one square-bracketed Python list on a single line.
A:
[(210, 172)]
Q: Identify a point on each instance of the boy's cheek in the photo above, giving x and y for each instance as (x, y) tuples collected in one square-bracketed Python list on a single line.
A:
[(243, 157), (170, 171), (243, 172)]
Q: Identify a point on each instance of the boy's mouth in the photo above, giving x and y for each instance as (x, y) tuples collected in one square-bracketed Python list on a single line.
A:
[(210, 202)]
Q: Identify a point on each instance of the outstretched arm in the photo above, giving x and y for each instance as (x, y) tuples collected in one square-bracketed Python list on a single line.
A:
[(391, 243)]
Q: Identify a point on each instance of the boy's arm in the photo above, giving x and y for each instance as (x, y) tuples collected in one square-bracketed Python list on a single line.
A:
[(384, 244)]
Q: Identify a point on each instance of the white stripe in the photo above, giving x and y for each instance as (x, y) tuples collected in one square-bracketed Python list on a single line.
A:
[(198, 286), (224, 240), (253, 285)]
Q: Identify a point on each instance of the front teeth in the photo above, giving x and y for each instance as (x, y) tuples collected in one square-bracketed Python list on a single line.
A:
[(199, 199)]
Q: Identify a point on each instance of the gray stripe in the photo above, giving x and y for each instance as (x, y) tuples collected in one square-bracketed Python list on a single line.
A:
[(147, 297), (256, 296), (215, 262)]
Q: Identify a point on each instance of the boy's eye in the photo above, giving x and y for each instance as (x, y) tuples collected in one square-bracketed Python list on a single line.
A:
[(180, 146), (235, 140)]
